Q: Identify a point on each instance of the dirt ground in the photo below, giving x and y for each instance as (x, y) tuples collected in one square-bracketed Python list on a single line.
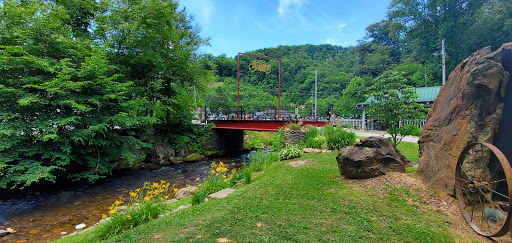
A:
[(447, 205)]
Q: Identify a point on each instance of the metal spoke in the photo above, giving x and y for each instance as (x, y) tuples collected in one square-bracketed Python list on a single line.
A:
[(490, 200), (500, 194), (465, 172), (492, 182), (482, 216)]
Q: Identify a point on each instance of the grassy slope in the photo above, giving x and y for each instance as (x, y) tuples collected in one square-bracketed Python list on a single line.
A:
[(299, 204)]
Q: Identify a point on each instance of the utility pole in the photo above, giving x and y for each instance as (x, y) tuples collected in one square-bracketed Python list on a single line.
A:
[(443, 53), (316, 83), (312, 108), (195, 98)]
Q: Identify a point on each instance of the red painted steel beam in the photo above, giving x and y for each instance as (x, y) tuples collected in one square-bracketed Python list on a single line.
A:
[(315, 123), (253, 125)]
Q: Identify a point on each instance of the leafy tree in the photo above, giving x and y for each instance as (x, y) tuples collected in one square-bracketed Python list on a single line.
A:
[(394, 102), (72, 101), (355, 93)]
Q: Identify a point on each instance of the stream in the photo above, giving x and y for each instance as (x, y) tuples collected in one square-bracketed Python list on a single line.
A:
[(43, 216)]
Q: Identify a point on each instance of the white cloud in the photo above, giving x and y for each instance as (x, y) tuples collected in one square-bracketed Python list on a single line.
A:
[(286, 5), (341, 27), (333, 41)]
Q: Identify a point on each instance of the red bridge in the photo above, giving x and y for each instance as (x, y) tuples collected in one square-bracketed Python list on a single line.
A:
[(260, 125)]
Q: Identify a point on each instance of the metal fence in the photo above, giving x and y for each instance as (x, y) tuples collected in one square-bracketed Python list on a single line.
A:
[(370, 124)]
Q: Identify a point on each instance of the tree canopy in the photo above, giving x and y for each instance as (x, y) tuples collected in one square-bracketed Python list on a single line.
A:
[(79, 79)]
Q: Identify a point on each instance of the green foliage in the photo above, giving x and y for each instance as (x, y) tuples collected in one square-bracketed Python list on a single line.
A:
[(337, 138), (416, 131), (290, 152), (315, 142), (279, 141), (394, 101), (73, 100)]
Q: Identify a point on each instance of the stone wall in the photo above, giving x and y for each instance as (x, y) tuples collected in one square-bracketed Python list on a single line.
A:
[(294, 136), (469, 108)]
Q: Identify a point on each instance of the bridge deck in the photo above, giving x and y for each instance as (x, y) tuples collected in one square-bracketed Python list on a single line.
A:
[(260, 125)]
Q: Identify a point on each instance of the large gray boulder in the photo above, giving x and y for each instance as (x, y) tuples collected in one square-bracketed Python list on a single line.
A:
[(370, 157)]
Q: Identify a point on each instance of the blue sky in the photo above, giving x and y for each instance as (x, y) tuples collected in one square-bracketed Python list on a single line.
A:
[(246, 25)]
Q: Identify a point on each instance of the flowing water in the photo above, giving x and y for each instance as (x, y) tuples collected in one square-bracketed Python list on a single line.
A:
[(42, 216)]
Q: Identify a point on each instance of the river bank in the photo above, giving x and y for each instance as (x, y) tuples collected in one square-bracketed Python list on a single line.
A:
[(46, 216)]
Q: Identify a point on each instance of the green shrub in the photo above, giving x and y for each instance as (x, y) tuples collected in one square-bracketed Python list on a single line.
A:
[(315, 142), (416, 131), (293, 126), (290, 152), (337, 138), (278, 141)]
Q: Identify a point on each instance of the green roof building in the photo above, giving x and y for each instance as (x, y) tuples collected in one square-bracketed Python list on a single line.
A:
[(426, 96)]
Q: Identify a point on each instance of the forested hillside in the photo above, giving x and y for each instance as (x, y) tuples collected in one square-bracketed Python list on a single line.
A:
[(407, 42)]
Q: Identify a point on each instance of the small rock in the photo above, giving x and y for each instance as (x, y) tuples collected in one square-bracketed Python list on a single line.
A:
[(3, 232), (311, 151), (223, 240), (185, 192), (63, 233), (239, 183), (80, 226), (10, 230), (222, 193), (35, 231), (122, 208), (181, 208), (21, 241), (170, 201), (324, 151)]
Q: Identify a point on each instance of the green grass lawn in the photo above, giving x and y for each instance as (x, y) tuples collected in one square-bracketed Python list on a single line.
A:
[(409, 150), (309, 203)]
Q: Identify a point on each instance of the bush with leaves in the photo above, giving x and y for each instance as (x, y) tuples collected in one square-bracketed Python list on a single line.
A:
[(290, 152), (337, 138)]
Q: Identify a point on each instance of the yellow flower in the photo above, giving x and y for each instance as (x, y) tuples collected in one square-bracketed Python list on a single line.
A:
[(113, 211), (224, 176), (175, 189), (199, 185), (233, 171), (155, 184), (197, 179), (104, 216), (165, 197), (162, 182), (128, 217), (187, 185), (118, 202), (147, 198), (138, 189), (133, 194)]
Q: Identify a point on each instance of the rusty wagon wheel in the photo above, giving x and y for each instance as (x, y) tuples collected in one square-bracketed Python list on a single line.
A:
[(483, 184)]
